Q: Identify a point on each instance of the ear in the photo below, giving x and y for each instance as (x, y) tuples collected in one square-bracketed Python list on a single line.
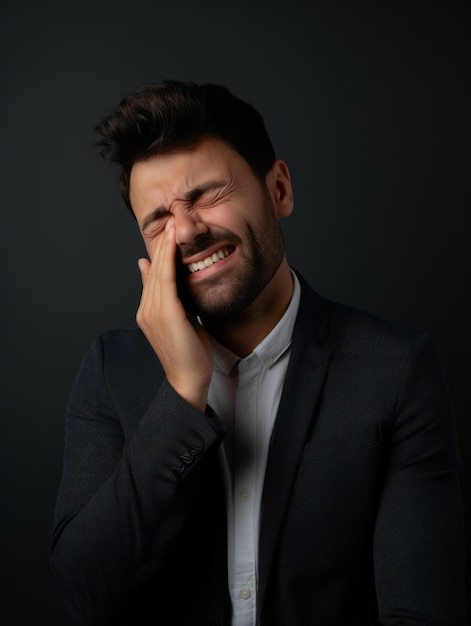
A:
[(278, 181)]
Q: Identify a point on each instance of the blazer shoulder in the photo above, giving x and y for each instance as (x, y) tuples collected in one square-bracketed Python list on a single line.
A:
[(351, 329), (359, 330), (125, 341), (126, 358)]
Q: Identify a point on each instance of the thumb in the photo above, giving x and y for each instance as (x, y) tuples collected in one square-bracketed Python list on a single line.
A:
[(144, 266)]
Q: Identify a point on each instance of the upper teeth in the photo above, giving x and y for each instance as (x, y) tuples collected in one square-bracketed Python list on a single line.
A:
[(209, 260)]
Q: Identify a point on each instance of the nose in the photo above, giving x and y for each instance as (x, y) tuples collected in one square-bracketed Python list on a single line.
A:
[(188, 226)]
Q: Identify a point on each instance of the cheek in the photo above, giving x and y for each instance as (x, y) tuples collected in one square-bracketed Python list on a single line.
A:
[(232, 219)]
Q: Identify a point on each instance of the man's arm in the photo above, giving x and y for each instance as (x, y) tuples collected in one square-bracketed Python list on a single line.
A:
[(122, 505), (419, 545)]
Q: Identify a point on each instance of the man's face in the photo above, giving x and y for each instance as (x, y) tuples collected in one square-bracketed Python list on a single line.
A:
[(226, 223)]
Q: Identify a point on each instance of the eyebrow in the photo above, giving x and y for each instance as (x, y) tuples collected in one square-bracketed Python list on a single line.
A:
[(191, 196)]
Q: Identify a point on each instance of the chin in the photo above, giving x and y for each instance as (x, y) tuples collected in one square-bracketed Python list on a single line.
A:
[(223, 306)]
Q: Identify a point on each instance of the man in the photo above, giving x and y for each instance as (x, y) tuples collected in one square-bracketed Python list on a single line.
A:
[(254, 454)]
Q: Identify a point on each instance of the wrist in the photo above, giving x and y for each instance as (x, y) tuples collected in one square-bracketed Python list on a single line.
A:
[(196, 397)]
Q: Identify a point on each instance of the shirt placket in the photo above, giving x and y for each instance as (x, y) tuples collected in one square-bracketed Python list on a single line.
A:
[(245, 492)]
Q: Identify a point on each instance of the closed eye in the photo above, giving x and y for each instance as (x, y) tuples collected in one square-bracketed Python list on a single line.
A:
[(155, 222), (206, 195), (207, 200)]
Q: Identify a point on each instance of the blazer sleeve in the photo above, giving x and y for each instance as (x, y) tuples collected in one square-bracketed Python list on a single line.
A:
[(122, 504), (419, 544)]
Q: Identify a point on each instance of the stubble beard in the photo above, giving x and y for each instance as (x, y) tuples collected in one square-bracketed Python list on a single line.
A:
[(224, 298)]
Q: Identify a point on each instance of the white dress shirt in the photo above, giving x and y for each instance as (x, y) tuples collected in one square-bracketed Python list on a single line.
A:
[(246, 393)]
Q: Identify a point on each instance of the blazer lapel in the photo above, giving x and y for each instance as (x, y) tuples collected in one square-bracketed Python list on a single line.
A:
[(304, 380)]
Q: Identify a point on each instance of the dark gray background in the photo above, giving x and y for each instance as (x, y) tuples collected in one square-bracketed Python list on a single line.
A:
[(367, 102)]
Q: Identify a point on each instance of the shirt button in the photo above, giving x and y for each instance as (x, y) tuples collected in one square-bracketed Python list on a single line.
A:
[(268, 362), (245, 593), (244, 495)]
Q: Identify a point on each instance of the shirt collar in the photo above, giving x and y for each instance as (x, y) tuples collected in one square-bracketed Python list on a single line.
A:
[(272, 347)]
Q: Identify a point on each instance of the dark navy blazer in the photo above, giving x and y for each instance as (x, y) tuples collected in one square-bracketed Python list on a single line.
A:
[(361, 520)]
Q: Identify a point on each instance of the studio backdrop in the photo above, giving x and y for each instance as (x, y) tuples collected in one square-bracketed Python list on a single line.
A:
[(368, 103)]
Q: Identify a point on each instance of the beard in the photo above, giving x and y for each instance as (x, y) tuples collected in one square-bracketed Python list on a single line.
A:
[(261, 251)]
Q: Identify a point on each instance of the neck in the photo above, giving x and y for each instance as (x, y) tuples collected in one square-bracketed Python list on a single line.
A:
[(242, 332)]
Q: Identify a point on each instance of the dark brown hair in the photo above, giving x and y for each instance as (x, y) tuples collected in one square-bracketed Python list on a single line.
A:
[(170, 115)]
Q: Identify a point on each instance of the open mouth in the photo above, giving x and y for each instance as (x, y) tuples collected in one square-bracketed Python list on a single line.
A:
[(213, 258)]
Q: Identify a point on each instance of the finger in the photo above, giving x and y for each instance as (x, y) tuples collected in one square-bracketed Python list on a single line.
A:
[(144, 266), (166, 254), (161, 279)]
